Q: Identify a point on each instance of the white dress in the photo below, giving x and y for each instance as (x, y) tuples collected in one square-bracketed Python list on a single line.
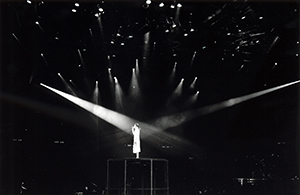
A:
[(136, 140)]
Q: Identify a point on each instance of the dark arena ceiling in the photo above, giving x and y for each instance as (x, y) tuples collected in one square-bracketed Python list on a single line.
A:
[(214, 85)]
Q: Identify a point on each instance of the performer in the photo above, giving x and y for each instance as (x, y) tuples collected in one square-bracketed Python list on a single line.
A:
[(136, 139)]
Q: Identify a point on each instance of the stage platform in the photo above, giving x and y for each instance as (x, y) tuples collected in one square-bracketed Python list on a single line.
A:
[(142, 176)]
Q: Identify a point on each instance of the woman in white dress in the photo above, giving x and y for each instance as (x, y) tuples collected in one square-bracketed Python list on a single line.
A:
[(136, 139)]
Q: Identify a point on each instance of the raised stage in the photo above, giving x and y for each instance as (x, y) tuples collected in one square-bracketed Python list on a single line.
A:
[(142, 176)]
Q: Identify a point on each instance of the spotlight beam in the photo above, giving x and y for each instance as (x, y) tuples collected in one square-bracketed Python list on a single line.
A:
[(172, 76), (120, 121), (183, 117), (118, 96), (178, 90), (149, 133), (96, 94), (67, 85), (137, 69), (134, 90)]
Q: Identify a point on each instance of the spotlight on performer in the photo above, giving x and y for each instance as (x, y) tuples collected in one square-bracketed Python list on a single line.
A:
[(124, 122)]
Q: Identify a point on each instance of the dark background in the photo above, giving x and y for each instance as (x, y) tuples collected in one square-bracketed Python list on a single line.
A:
[(55, 147)]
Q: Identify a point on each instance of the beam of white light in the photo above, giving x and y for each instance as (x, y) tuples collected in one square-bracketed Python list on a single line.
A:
[(68, 87), (111, 79), (77, 90), (191, 100), (96, 101), (172, 76), (122, 122), (100, 25), (275, 41), (137, 69), (42, 55), (176, 93), (134, 85), (146, 47), (177, 15), (180, 118), (31, 78), (193, 83), (109, 61), (178, 89), (96, 94), (80, 56), (13, 34), (91, 32), (37, 23), (193, 58), (118, 96)]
